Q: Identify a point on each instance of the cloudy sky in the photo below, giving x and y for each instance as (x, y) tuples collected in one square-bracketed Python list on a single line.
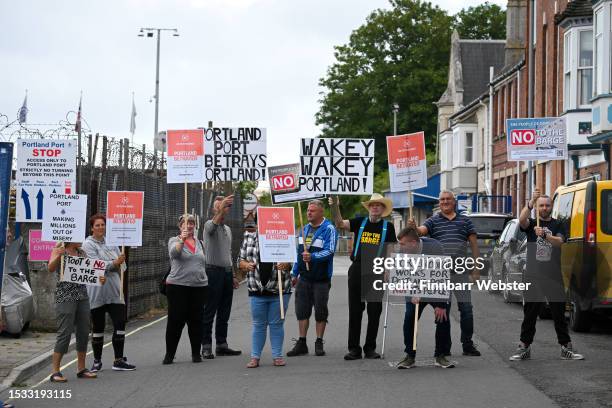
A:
[(236, 62)]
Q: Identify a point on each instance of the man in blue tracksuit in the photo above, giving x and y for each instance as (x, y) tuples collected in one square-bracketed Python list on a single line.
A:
[(312, 276)]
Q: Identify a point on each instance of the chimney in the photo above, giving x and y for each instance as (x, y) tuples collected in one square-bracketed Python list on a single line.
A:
[(516, 27)]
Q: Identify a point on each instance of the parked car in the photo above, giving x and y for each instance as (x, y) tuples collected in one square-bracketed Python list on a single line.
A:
[(506, 246), (489, 227), (585, 206)]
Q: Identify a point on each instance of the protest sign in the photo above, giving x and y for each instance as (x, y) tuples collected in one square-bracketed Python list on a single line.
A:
[(276, 231), (285, 184), (65, 218), (44, 166), (185, 159), (39, 250), (422, 276), (84, 271), (124, 215), (6, 163), (337, 166), (536, 139), (235, 154), (407, 162)]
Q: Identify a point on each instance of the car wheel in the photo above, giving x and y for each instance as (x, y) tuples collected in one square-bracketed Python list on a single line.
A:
[(491, 277), (506, 293), (580, 319)]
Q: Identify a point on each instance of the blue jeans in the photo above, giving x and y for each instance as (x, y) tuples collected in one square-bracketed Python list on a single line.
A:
[(265, 311), (443, 339)]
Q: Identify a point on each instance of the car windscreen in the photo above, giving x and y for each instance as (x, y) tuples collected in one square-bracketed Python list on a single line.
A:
[(488, 225)]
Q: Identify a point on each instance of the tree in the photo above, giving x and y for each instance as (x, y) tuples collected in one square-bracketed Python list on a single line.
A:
[(485, 21)]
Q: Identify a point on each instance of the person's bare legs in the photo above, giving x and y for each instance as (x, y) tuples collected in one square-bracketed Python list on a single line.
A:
[(303, 327), (57, 360), (321, 329), (81, 360)]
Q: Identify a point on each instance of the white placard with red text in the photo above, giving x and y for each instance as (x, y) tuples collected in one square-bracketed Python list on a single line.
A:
[(185, 161), (276, 231), (124, 215), (407, 162)]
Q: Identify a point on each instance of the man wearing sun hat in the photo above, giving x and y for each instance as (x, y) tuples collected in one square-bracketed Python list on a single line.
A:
[(371, 233)]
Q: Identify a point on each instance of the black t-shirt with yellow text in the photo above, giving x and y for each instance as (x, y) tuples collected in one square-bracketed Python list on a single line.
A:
[(370, 238)]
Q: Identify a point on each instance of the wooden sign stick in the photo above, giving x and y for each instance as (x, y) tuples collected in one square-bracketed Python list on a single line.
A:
[(416, 326), (280, 293)]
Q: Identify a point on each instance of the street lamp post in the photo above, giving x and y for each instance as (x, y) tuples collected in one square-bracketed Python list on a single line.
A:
[(395, 110), (150, 32)]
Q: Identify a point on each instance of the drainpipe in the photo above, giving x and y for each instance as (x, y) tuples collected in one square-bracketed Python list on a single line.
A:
[(489, 185)]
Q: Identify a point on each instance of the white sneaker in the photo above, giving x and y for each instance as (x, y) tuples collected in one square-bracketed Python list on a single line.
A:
[(522, 353), (567, 353)]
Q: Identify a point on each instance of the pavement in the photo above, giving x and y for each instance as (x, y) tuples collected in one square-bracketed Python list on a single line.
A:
[(310, 381)]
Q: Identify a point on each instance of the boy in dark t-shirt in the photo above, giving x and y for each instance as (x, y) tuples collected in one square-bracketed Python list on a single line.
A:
[(370, 235)]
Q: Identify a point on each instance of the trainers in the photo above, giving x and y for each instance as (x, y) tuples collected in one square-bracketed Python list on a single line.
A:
[(319, 347), (300, 348), (97, 366), (207, 352), (407, 362), (353, 355), (168, 359), (372, 355), (567, 353), (471, 350), (226, 351), (443, 362), (122, 365), (522, 353)]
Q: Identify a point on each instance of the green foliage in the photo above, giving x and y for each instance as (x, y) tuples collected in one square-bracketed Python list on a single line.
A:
[(399, 55), (485, 21), (245, 187)]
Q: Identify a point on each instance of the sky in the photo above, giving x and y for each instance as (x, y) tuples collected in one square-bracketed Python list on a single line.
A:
[(236, 62)]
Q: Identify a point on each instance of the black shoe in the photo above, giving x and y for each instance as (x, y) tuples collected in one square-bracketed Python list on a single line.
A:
[(196, 358), (353, 355), (372, 354), (319, 347), (123, 365), (471, 350), (207, 353), (168, 359), (226, 351), (299, 348)]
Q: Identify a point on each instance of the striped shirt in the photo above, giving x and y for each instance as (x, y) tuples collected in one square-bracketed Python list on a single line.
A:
[(452, 234)]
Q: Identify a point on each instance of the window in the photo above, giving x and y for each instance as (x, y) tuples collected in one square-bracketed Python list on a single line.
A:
[(565, 210), (606, 211), (567, 69), (585, 67), (469, 147), (599, 52)]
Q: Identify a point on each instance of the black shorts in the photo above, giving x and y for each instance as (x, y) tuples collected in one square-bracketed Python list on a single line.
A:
[(309, 295)]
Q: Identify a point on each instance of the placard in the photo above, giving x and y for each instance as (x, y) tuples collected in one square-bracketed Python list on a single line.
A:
[(337, 166), (124, 216), (407, 162), (235, 154), (83, 271), (39, 250), (185, 161), (65, 218), (432, 270), (536, 139), (276, 232), (285, 185), (44, 166)]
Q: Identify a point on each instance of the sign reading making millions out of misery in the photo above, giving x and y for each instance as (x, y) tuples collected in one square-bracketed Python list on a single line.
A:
[(337, 166)]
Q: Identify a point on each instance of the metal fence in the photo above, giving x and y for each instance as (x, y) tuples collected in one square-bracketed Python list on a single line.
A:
[(107, 164)]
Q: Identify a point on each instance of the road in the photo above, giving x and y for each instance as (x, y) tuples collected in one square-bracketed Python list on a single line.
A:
[(309, 381)]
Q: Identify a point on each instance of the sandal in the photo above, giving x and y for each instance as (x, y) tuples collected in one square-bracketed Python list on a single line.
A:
[(85, 373), (254, 363), (279, 362), (7, 406), (58, 378)]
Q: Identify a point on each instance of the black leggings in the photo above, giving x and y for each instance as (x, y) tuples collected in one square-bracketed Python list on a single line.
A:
[(185, 305), (116, 311)]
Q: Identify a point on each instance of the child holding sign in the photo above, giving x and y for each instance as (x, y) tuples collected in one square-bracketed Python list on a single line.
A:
[(72, 313)]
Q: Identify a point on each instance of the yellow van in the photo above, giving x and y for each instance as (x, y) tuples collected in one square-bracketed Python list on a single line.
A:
[(585, 207)]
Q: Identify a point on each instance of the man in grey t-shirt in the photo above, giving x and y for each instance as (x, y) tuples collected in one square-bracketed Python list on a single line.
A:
[(221, 280)]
